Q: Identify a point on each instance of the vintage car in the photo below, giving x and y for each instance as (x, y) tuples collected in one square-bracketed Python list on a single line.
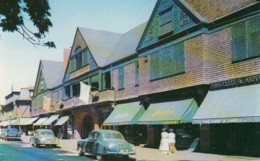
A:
[(11, 134), (105, 144), (44, 137)]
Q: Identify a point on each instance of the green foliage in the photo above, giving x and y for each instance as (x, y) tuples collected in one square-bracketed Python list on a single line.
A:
[(15, 13)]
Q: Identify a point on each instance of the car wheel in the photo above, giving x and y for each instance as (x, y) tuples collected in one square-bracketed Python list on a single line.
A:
[(80, 152)]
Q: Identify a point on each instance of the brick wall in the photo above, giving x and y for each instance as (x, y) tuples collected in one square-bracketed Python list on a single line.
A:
[(130, 90), (213, 9), (218, 64)]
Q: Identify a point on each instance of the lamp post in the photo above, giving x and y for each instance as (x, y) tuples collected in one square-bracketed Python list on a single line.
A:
[(9, 120)]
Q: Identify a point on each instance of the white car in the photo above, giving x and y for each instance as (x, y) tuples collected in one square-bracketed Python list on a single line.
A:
[(44, 137)]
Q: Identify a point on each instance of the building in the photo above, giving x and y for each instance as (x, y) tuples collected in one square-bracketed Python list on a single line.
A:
[(17, 109), (46, 99), (193, 67)]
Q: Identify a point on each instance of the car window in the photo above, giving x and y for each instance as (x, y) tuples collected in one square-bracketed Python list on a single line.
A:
[(46, 133), (113, 136), (13, 130)]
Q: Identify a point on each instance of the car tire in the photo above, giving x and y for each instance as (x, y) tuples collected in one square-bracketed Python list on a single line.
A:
[(80, 152)]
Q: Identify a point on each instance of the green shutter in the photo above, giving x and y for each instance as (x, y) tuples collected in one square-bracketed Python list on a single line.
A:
[(179, 58), (121, 78), (154, 65), (137, 73), (254, 36), (166, 62), (239, 46)]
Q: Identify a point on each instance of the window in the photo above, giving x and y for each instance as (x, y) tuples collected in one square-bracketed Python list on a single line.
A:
[(67, 92), (167, 62), (121, 78), (76, 90), (165, 18), (78, 60), (245, 39), (136, 73), (106, 80)]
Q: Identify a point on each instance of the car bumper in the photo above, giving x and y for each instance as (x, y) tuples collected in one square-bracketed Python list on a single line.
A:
[(120, 153), (14, 137)]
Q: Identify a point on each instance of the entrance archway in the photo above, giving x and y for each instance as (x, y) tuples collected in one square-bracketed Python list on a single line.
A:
[(87, 126)]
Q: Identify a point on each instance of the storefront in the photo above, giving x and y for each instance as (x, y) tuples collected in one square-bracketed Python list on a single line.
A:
[(124, 118), (173, 114), (229, 118)]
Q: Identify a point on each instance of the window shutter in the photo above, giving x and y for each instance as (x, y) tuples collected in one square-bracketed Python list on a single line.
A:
[(239, 46), (154, 65), (254, 36), (121, 78), (137, 73), (179, 58)]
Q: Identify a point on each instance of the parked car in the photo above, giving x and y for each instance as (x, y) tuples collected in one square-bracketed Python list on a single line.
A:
[(105, 144), (11, 134), (44, 137), (1, 132), (183, 139)]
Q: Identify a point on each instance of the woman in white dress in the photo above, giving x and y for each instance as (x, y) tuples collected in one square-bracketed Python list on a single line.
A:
[(164, 144)]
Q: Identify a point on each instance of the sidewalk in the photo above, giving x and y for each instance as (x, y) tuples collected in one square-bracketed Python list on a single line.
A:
[(149, 154)]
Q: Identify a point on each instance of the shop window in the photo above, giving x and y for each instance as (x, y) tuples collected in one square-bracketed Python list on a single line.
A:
[(106, 80), (168, 61), (121, 78), (245, 39)]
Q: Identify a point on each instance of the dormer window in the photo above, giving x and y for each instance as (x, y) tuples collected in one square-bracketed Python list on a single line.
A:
[(79, 59)]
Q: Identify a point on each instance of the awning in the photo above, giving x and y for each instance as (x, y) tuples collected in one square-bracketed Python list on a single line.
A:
[(40, 121), (62, 120), (174, 112), (125, 114), (240, 104), (14, 122), (50, 120), (24, 121), (4, 123)]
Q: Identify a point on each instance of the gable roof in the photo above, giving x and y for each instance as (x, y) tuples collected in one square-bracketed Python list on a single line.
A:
[(52, 72), (127, 44), (100, 43)]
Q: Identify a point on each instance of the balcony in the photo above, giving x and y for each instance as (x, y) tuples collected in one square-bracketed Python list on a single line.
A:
[(94, 98)]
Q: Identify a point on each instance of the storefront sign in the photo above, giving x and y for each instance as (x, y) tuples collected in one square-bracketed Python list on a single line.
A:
[(236, 82)]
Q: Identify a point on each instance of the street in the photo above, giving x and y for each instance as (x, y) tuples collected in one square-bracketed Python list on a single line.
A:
[(19, 151)]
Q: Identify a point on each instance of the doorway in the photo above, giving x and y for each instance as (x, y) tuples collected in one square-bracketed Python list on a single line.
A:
[(87, 126)]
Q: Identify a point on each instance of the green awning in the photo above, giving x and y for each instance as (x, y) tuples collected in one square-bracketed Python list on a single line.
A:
[(174, 112), (40, 121), (125, 114), (50, 120), (62, 121), (234, 105)]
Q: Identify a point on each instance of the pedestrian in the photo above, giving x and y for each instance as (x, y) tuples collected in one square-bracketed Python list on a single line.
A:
[(172, 141), (164, 144)]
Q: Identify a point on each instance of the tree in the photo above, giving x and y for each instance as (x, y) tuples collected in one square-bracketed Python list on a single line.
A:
[(16, 15)]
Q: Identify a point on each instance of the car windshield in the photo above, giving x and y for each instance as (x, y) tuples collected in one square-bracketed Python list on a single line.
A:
[(113, 136), (46, 133), (13, 130)]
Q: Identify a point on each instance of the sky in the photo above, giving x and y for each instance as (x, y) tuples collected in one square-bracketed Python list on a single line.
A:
[(19, 60)]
